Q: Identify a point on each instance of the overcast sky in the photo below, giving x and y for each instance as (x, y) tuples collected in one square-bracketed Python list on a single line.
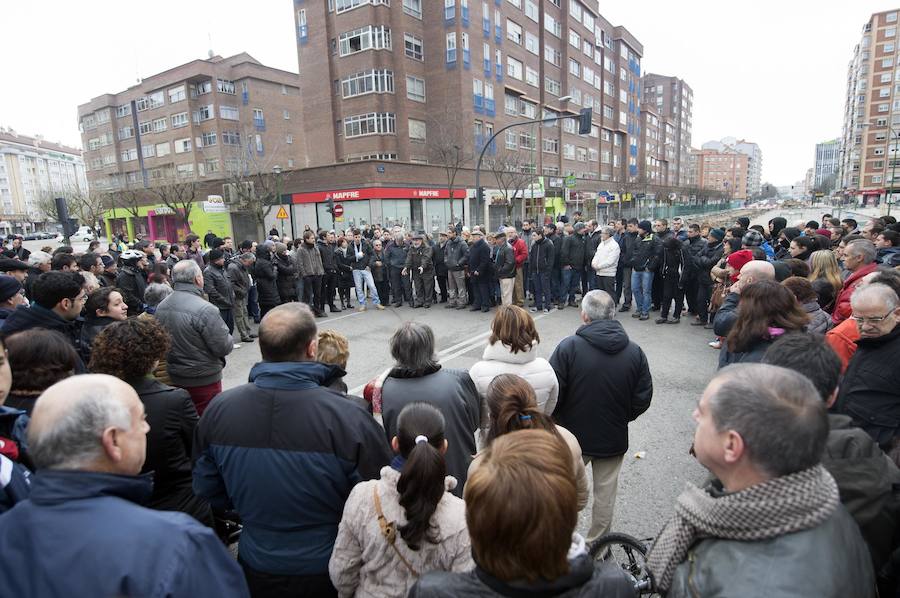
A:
[(773, 72)]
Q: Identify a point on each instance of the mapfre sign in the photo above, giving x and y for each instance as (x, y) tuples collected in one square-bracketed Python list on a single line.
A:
[(376, 193)]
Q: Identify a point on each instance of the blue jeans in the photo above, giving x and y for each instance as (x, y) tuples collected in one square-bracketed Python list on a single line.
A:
[(363, 280), (542, 291), (556, 285), (642, 287), (253, 304), (571, 285)]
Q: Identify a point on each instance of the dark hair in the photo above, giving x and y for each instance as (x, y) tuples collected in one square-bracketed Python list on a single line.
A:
[(825, 293), (246, 244), (694, 227), (99, 299), (286, 331), (812, 224), (764, 304), (891, 236), (87, 261), (190, 239), (809, 355), (512, 405), (778, 224), (39, 358), (159, 275), (216, 243), (801, 288), (61, 260), (633, 221), (64, 249), (758, 228), (807, 243), (758, 253), (798, 267), (129, 349), (850, 222), (421, 483), (738, 232), (888, 220), (743, 221), (52, 287), (735, 244)]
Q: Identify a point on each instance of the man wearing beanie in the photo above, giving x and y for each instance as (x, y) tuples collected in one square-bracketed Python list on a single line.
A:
[(11, 296), (644, 263), (218, 287), (110, 270), (708, 257)]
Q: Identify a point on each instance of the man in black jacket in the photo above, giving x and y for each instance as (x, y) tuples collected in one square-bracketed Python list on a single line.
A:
[(456, 258), (504, 268), (480, 270), (419, 263), (694, 243), (604, 383), (591, 242), (218, 287), (540, 261), (440, 268), (627, 244), (286, 421), (644, 263), (238, 272), (704, 261), (571, 261), (327, 245), (554, 235)]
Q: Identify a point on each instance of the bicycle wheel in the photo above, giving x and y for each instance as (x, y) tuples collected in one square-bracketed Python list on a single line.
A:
[(629, 553)]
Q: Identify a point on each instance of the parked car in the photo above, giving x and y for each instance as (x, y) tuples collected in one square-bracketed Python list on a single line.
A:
[(85, 234)]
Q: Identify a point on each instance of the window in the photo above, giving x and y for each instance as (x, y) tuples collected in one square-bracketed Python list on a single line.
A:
[(156, 99), (527, 140), (287, 115), (160, 125), (204, 113), (511, 104), (574, 67), (145, 127), (449, 9), (891, 17), (890, 32), (532, 77), (574, 39), (568, 125), (179, 120), (345, 5), (207, 139), (231, 138), (451, 47), (568, 151), (529, 109), (516, 3), (550, 146), (581, 154), (532, 44), (512, 140), (141, 104), (608, 113), (887, 62), (576, 95), (369, 37), (225, 86), (212, 165), (531, 10), (552, 25), (373, 123), (148, 151), (412, 46), (513, 32), (416, 130), (552, 55), (552, 86), (415, 88), (129, 155), (123, 110), (126, 132), (514, 68), (374, 81), (185, 171), (182, 145), (289, 139), (884, 92), (228, 112), (177, 94), (588, 48), (413, 8)]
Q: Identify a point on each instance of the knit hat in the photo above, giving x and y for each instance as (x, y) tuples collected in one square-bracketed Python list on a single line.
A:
[(824, 232), (9, 286), (107, 260), (10, 264), (752, 238), (738, 259), (215, 254), (717, 233), (645, 225)]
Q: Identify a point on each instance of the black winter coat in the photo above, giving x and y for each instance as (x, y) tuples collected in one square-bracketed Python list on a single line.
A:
[(627, 245), (647, 253), (456, 254), (604, 383), (287, 275), (505, 261), (379, 273), (359, 263), (420, 257), (440, 266), (591, 242), (265, 277), (540, 259), (396, 255), (572, 251), (172, 418), (132, 283), (345, 268), (329, 260), (480, 259), (704, 261), (557, 241), (89, 330)]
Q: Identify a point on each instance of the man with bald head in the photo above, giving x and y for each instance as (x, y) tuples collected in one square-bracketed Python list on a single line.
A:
[(284, 451), (81, 530), (751, 272)]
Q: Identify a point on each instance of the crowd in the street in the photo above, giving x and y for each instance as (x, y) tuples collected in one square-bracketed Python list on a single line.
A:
[(125, 469)]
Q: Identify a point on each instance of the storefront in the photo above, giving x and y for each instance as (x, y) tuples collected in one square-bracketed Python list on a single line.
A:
[(161, 223), (411, 208)]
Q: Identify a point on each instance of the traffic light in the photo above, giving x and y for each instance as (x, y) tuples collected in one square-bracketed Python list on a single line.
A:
[(479, 194), (584, 121), (330, 205)]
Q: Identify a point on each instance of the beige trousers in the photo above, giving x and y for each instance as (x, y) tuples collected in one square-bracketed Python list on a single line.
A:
[(606, 485)]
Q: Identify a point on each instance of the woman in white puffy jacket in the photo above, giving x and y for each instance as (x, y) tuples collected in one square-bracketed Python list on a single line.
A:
[(512, 349), (606, 261)]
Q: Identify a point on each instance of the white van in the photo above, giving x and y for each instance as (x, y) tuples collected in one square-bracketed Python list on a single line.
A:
[(85, 234)]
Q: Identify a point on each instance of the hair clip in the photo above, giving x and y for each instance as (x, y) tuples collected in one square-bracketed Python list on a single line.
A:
[(421, 438)]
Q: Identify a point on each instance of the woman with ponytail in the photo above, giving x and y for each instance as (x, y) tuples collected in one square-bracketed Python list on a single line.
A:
[(512, 406), (407, 523)]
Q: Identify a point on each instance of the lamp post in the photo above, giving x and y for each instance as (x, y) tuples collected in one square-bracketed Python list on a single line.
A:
[(276, 170)]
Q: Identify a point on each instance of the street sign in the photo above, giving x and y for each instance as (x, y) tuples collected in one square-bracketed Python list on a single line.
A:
[(282, 214), (570, 181), (338, 211)]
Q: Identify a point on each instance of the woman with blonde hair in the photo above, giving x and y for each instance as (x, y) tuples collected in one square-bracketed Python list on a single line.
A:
[(824, 266), (512, 349)]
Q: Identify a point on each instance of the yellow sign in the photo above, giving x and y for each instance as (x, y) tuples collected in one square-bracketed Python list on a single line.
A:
[(282, 214)]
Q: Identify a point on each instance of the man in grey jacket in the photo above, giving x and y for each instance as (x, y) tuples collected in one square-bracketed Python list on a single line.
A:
[(238, 271), (218, 287), (200, 338)]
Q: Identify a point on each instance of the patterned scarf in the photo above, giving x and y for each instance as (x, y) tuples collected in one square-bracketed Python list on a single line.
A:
[(780, 506)]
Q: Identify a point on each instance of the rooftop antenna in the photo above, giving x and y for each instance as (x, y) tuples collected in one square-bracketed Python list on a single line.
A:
[(209, 37)]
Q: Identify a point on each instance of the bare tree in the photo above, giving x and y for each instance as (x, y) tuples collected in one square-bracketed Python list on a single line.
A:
[(46, 203), (513, 175), (177, 194), (251, 180), (449, 148)]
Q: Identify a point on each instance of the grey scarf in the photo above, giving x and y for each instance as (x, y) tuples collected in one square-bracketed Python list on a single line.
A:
[(783, 505)]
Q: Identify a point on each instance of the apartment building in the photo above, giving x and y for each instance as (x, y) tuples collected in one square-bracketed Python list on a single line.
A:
[(872, 111), (654, 165), (673, 100), (408, 77), (193, 121), (827, 161), (726, 170), (754, 159), (32, 168)]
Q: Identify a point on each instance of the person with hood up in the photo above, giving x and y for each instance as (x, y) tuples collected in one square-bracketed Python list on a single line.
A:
[(287, 273), (264, 273), (783, 246), (604, 383), (675, 270)]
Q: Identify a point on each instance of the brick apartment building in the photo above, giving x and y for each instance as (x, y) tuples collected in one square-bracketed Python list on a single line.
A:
[(671, 101), (393, 82), (196, 121), (867, 155), (726, 171)]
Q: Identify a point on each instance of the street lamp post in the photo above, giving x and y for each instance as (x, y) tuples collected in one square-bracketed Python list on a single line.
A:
[(276, 170)]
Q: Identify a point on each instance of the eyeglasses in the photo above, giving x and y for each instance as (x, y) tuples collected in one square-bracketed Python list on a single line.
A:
[(871, 320)]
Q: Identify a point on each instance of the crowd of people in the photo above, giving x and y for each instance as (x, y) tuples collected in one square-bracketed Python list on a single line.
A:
[(122, 457)]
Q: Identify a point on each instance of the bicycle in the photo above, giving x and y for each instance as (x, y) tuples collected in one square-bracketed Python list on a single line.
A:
[(630, 554)]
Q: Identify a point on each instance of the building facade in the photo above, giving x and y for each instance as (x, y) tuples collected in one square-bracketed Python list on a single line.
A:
[(411, 78), (727, 171), (868, 154), (198, 121), (749, 149), (33, 170), (673, 100), (827, 161)]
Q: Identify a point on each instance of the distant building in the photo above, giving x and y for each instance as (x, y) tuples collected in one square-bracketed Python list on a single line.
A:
[(754, 159), (31, 169), (672, 100), (827, 161), (726, 170)]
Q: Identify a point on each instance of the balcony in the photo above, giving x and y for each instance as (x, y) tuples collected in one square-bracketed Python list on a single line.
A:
[(486, 26), (478, 103), (480, 140), (259, 124), (498, 34), (449, 14), (467, 58), (465, 15), (490, 107), (487, 67)]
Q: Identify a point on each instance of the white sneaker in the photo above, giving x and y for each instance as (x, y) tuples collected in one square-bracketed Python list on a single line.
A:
[(237, 345)]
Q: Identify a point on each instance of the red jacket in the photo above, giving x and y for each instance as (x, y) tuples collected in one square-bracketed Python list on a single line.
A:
[(842, 308), (842, 339), (520, 252)]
